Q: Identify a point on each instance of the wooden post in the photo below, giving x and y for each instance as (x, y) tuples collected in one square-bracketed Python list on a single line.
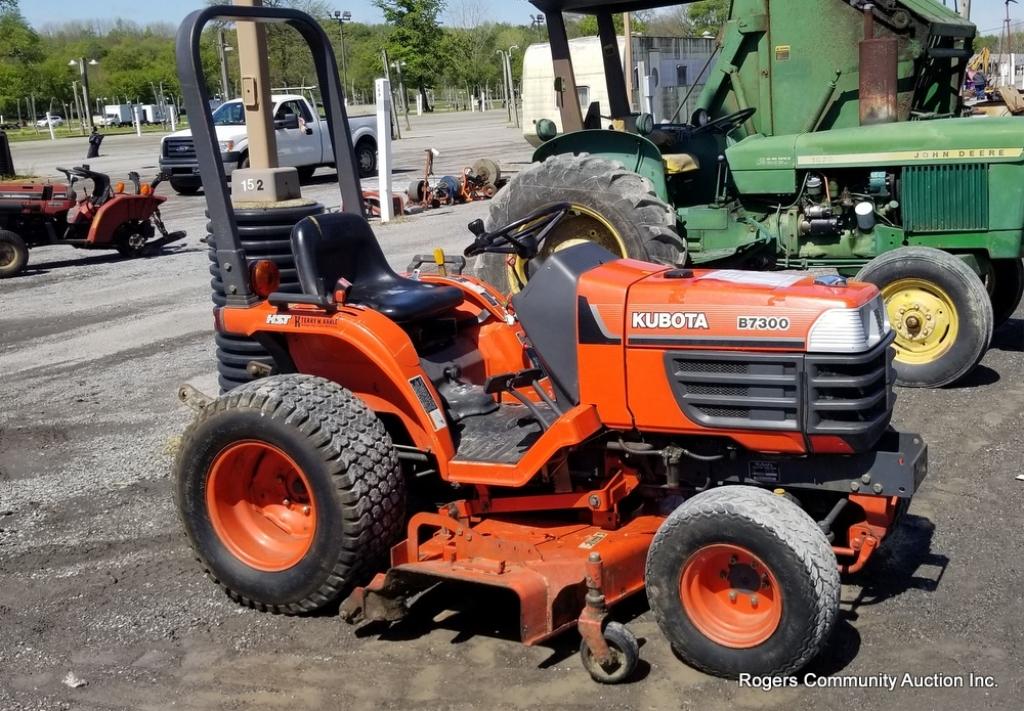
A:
[(566, 95), (628, 52), (259, 120)]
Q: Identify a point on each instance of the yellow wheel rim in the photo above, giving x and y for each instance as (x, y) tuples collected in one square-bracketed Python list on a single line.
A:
[(924, 318), (580, 225)]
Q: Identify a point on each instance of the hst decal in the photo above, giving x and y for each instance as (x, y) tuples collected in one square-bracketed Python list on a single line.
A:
[(690, 320)]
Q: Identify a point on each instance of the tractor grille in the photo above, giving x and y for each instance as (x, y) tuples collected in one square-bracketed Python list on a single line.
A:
[(738, 390), (850, 394), (945, 198), (847, 395), (179, 148)]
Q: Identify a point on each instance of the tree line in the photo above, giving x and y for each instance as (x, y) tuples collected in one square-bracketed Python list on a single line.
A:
[(447, 51)]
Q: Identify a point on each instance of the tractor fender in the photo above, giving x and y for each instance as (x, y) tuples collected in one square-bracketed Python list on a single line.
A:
[(634, 153), (361, 350), (118, 210)]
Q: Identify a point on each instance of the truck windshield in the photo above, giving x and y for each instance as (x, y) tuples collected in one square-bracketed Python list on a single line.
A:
[(229, 114)]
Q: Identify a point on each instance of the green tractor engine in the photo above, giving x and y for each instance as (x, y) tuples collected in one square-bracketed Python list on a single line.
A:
[(828, 136)]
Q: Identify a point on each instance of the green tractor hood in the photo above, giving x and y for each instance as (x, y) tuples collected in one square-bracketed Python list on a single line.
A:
[(768, 165)]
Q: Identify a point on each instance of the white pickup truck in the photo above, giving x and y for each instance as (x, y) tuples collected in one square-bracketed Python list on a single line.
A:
[(302, 142)]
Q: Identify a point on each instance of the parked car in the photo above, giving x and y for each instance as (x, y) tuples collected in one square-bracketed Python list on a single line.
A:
[(54, 120), (302, 142)]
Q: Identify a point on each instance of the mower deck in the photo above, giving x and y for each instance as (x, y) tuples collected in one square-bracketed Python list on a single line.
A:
[(543, 561)]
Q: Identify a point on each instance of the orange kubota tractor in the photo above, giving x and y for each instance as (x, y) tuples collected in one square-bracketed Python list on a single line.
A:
[(721, 439)]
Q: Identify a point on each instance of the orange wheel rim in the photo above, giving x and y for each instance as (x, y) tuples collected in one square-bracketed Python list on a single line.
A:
[(260, 505), (731, 596)]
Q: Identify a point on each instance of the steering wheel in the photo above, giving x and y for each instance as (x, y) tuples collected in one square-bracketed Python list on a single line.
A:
[(726, 124), (522, 237)]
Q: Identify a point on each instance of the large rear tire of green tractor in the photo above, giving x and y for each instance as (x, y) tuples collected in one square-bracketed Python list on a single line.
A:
[(1005, 282), (612, 206), (13, 254), (940, 310), (290, 492)]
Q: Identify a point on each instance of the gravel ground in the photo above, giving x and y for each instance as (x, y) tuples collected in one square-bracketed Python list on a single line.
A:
[(97, 581)]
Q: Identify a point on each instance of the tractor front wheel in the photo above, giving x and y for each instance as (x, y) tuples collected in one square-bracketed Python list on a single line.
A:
[(741, 580), (612, 206), (1005, 283), (939, 309), (290, 492), (13, 254)]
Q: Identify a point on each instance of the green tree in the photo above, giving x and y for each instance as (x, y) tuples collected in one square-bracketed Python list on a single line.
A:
[(708, 16), (586, 25), (414, 40)]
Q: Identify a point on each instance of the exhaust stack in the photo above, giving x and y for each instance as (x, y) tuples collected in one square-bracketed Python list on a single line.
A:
[(878, 72)]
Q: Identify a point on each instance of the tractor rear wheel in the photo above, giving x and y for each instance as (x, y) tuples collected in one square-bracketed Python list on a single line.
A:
[(611, 206), (940, 310), (13, 254), (741, 580), (290, 492), (1005, 283)]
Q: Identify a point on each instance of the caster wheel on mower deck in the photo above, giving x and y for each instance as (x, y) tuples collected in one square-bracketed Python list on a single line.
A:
[(741, 580), (939, 309), (290, 492), (625, 655)]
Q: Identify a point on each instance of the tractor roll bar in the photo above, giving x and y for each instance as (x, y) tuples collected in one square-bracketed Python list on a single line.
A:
[(230, 255)]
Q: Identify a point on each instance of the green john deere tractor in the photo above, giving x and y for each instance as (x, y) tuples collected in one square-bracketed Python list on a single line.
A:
[(827, 136)]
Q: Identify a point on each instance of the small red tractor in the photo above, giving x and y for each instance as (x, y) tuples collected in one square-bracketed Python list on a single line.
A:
[(720, 439), (33, 214)]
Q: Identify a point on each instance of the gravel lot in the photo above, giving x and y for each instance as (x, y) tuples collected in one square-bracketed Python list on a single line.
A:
[(97, 581)]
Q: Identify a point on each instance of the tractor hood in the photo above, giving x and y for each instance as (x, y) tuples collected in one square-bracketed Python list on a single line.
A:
[(768, 164), (728, 308)]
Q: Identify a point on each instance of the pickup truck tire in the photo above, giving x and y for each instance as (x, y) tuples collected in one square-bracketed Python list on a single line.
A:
[(366, 157), (306, 173), (184, 188), (611, 206)]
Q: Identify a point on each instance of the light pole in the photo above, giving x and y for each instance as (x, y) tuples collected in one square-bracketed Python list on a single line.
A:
[(222, 49), (405, 99), (537, 22), (504, 81), (81, 62), (512, 86), (342, 18)]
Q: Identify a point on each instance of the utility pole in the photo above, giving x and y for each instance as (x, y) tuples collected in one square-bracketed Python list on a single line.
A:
[(1006, 65), (222, 47)]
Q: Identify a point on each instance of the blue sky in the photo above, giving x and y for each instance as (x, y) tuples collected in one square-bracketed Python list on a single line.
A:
[(987, 14)]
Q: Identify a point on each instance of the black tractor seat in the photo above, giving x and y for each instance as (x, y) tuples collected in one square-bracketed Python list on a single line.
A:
[(342, 246)]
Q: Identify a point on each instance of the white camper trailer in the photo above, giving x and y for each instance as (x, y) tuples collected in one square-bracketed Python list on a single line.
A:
[(666, 76)]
